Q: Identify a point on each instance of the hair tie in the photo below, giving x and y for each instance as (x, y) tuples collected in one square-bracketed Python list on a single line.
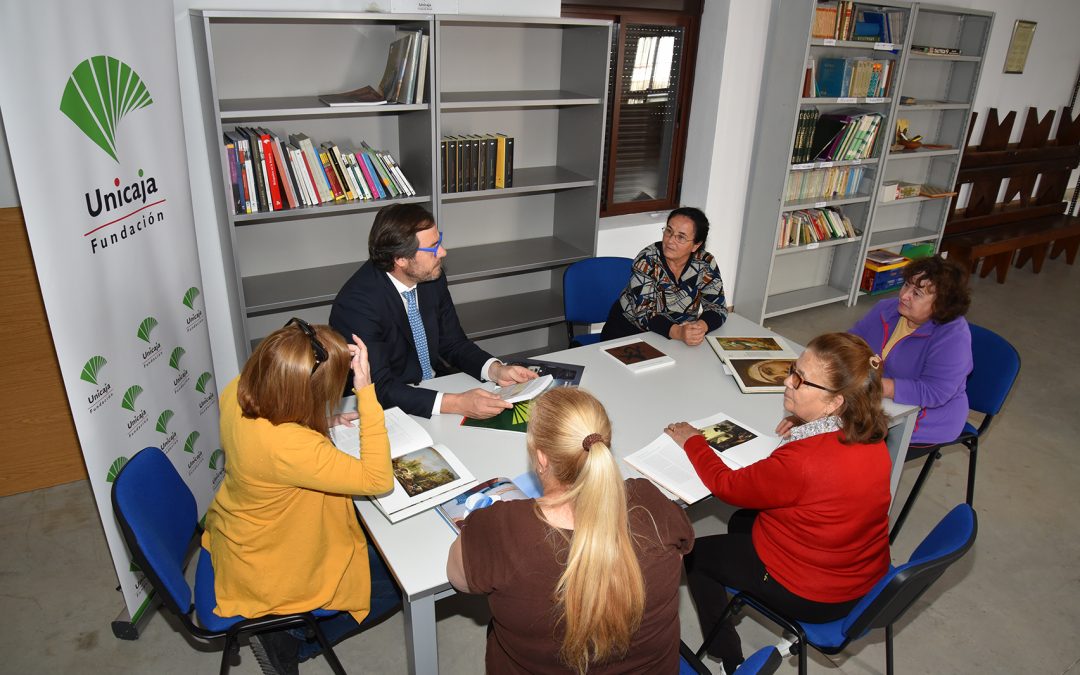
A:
[(875, 361), (590, 439)]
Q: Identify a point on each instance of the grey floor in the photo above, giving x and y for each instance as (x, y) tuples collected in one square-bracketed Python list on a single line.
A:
[(1011, 606)]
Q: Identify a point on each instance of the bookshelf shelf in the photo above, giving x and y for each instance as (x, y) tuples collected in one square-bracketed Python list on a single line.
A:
[(922, 153), (822, 203), (845, 100), (816, 245), (907, 235), (854, 44), (945, 57), (933, 106), (909, 201), (804, 298), (825, 165), (509, 246)]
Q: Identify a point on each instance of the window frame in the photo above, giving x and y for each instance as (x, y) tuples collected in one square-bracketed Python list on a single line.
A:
[(689, 19)]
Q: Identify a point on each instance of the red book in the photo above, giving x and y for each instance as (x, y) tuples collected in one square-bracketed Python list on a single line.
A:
[(335, 186), (273, 187)]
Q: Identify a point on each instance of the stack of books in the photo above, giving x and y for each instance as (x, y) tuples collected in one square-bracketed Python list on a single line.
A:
[(269, 174), (405, 76), (476, 162), (845, 20), (806, 226), (823, 183)]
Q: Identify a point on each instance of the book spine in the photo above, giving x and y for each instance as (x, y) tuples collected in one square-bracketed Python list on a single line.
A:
[(399, 175), (509, 178), (339, 170), (500, 161), (313, 178), (331, 177), (357, 178), (442, 165), (492, 146), (284, 177), (273, 185), (260, 174), (384, 176), (373, 186), (476, 163), (234, 180)]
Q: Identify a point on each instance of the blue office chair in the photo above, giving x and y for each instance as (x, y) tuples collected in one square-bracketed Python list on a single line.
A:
[(764, 661), (158, 519), (995, 367), (885, 603), (590, 288)]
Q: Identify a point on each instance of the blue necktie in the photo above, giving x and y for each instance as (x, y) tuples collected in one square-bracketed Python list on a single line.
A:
[(419, 336)]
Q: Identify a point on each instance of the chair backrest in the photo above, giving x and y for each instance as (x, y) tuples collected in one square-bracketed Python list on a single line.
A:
[(158, 516), (996, 365), (591, 286), (902, 586)]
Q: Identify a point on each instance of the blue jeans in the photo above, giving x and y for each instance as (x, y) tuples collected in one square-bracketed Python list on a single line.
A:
[(385, 598)]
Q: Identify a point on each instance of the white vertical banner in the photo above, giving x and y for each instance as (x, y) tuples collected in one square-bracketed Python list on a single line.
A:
[(90, 101)]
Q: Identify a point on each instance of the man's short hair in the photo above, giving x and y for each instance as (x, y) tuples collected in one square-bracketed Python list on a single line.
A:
[(393, 234)]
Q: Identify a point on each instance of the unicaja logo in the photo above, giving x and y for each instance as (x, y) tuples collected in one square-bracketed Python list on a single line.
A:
[(153, 349), (114, 469), (91, 372), (132, 393), (99, 93), (196, 317), (197, 455), (162, 427), (181, 373)]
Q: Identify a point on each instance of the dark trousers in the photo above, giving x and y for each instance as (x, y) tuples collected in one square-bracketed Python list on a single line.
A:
[(730, 560), (617, 325)]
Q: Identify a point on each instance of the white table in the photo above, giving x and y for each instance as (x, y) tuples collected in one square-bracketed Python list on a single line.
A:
[(640, 405)]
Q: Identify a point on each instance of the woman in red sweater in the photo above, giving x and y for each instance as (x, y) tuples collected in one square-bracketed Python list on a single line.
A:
[(813, 533)]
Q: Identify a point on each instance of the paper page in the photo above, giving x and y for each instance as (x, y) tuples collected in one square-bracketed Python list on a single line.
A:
[(405, 434), (524, 391)]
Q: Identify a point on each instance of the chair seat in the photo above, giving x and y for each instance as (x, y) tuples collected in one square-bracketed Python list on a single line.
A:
[(206, 599)]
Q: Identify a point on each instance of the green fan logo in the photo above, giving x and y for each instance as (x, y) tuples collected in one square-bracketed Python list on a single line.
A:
[(99, 92), (174, 358), (189, 297), (132, 393), (216, 457), (189, 444), (200, 384), (114, 468), (92, 368), (148, 324), (163, 421)]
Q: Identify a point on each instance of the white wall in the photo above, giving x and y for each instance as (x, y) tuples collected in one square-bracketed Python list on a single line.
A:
[(9, 196)]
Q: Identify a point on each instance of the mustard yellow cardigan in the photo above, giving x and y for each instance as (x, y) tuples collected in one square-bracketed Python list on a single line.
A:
[(281, 530)]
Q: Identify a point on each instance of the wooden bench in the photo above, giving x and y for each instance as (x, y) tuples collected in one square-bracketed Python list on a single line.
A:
[(1030, 222)]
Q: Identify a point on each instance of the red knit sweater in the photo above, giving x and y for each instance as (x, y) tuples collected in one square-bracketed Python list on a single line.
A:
[(823, 527)]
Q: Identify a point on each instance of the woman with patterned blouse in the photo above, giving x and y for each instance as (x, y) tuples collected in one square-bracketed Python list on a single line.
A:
[(675, 288)]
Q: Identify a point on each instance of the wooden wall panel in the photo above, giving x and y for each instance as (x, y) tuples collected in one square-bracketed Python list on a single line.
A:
[(39, 446)]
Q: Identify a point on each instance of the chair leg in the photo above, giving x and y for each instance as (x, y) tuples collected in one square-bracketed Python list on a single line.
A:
[(930, 458), (889, 650), (732, 607), (973, 451), (327, 649), (231, 647)]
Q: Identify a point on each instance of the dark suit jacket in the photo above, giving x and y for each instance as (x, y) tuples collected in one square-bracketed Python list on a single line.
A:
[(370, 306)]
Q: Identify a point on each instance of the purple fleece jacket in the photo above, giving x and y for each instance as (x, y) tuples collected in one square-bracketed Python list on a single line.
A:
[(930, 369)]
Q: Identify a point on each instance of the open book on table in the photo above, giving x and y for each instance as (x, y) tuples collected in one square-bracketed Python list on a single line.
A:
[(666, 464), (425, 473), (454, 511), (764, 346)]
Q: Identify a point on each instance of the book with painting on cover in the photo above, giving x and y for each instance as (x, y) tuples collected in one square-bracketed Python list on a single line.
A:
[(517, 418), (362, 96), (731, 346), (483, 495), (666, 464), (638, 355), (425, 473), (760, 375)]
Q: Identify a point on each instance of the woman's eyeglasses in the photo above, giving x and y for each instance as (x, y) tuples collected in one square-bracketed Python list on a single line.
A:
[(316, 347), (679, 237), (798, 380), (433, 250)]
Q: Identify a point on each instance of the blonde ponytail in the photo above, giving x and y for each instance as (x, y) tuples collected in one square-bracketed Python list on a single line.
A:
[(601, 593)]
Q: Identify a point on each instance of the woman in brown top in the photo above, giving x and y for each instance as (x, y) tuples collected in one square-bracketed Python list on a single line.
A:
[(586, 578)]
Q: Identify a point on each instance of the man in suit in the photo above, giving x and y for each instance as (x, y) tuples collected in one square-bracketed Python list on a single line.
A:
[(400, 287)]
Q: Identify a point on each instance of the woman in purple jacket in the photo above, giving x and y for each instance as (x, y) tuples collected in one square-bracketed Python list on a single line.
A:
[(924, 340)]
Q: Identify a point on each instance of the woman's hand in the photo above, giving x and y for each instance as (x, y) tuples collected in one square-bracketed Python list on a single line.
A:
[(681, 432), (786, 425), (360, 367), (692, 333), (344, 419)]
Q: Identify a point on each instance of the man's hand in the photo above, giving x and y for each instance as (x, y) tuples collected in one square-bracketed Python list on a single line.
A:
[(478, 404), (692, 333), (503, 374)]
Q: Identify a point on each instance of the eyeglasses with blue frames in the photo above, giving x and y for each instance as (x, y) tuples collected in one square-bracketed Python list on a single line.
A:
[(433, 250), (679, 237), (798, 380), (316, 347)]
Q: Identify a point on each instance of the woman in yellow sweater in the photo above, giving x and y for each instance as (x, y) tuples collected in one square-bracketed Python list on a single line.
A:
[(282, 531)]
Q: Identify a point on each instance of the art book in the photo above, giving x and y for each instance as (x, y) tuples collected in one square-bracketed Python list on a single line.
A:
[(425, 472), (732, 347), (517, 418), (361, 96), (638, 355), (454, 511), (563, 374), (666, 464), (760, 375), (524, 391)]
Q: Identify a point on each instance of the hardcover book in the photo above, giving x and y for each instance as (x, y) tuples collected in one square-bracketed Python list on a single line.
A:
[(483, 495), (728, 347), (760, 375), (362, 96), (637, 355)]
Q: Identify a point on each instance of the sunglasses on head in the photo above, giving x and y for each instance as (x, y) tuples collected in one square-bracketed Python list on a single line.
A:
[(316, 347)]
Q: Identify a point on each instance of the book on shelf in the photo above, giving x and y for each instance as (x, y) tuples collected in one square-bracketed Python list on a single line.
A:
[(935, 192), (884, 257), (829, 183), (935, 51), (407, 90), (425, 473), (665, 463), (421, 70), (524, 391), (858, 76), (824, 26), (760, 375), (455, 511), (363, 96), (637, 355), (733, 346), (393, 80)]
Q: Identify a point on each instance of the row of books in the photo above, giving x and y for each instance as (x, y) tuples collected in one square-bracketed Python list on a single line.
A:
[(845, 20), (838, 137), (476, 162), (806, 226), (857, 76), (269, 174), (823, 183), (405, 75)]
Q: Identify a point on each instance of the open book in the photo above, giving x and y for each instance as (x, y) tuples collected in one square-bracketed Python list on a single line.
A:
[(425, 472), (666, 464), (525, 486), (729, 347), (524, 391)]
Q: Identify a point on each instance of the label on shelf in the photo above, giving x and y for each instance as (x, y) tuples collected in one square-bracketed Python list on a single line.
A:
[(811, 247), (855, 161), (820, 205), (825, 165), (874, 99), (884, 46), (847, 99), (829, 42), (796, 167)]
